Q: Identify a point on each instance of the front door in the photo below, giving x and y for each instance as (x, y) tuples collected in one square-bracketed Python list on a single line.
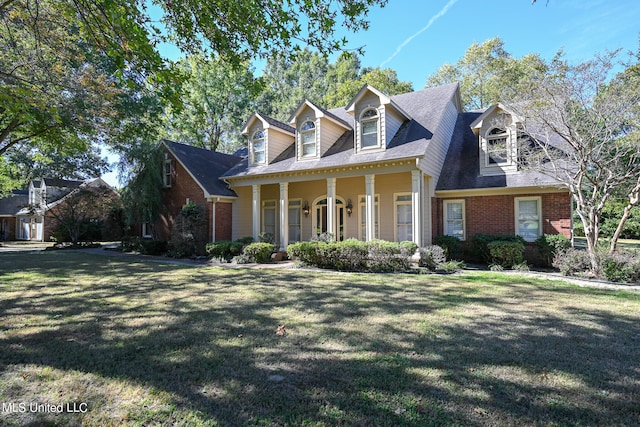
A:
[(320, 218)]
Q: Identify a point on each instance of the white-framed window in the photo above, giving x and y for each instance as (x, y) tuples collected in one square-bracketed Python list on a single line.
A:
[(454, 218), (403, 212), (369, 128), (167, 171), (258, 150), (308, 139), (528, 213), (269, 217), (147, 230), (295, 220), (497, 147), (362, 212)]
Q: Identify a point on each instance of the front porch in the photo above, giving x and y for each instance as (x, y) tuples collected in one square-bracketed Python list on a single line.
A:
[(393, 206)]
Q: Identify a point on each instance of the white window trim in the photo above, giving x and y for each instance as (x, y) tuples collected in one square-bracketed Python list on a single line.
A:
[(516, 211), (376, 214), (167, 173), (511, 150), (147, 230), (266, 204), (295, 204), (397, 203), (301, 154), (378, 128), (464, 217), (264, 146)]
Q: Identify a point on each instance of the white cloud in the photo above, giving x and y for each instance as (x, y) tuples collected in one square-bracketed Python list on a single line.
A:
[(433, 19)]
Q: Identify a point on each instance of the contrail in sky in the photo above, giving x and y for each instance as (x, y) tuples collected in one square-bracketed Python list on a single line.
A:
[(433, 19)]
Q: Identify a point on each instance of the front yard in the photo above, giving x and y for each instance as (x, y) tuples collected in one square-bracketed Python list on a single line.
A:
[(133, 343)]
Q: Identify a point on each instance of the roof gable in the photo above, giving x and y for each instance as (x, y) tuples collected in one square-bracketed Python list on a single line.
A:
[(384, 100), (267, 123), (205, 166), (320, 112)]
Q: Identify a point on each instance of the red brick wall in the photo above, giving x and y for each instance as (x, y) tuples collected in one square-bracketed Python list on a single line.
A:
[(495, 214), (183, 186), (223, 221), (9, 229)]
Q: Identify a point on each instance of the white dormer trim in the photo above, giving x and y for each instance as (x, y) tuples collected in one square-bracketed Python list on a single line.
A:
[(319, 113), (497, 124), (384, 100), (265, 125)]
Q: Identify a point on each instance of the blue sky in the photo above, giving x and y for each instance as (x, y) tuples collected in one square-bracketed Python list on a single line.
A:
[(416, 37)]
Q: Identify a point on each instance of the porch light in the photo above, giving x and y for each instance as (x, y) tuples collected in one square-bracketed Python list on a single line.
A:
[(349, 207), (305, 208)]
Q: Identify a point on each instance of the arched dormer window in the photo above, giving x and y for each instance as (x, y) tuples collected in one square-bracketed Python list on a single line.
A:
[(308, 139), (369, 128), (497, 150), (258, 147)]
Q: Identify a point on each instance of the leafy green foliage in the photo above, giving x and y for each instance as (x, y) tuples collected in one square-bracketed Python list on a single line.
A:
[(450, 244), (226, 249), (259, 252), (550, 244), (505, 253), (486, 72), (572, 261), (480, 245), (188, 233), (621, 267), (355, 255), (432, 256)]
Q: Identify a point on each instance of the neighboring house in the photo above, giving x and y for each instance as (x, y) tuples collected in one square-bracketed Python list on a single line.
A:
[(192, 174), (406, 167), (33, 218), (9, 206)]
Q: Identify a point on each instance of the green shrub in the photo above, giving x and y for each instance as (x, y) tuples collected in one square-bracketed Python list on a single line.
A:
[(388, 257), (354, 255), (523, 266), (188, 233), (431, 257), (506, 254), (550, 244), (571, 261), (259, 252), (621, 267), (224, 249), (451, 267), (480, 245), (144, 246), (450, 244)]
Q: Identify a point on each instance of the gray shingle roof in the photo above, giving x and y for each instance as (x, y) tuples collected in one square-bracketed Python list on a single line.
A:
[(11, 204), (206, 166), (426, 108), (277, 123), (461, 169)]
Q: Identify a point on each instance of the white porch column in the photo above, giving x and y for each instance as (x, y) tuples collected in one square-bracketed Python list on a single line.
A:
[(331, 207), (284, 215), (416, 203), (256, 212), (427, 216), (370, 203)]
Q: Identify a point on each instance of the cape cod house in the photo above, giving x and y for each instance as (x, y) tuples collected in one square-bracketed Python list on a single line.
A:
[(405, 167)]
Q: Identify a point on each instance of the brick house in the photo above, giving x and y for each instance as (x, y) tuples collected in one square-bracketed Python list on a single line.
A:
[(28, 215), (192, 174), (405, 167)]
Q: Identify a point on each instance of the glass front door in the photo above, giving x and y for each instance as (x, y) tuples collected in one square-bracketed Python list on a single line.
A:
[(320, 219)]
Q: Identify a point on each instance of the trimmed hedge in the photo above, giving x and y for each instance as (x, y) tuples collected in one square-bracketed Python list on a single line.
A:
[(355, 255), (480, 245), (506, 254), (226, 249), (451, 245), (259, 252)]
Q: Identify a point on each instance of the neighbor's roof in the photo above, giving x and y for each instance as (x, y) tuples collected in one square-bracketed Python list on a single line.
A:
[(10, 205), (426, 108), (205, 166)]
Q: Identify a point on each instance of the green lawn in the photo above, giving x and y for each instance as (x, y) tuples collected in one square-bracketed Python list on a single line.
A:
[(153, 344)]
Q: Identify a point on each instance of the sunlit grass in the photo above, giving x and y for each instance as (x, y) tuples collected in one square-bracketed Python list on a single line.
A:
[(153, 344)]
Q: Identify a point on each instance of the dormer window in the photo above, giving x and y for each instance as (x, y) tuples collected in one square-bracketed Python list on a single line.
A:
[(369, 128), (497, 153), (258, 147), (308, 139)]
